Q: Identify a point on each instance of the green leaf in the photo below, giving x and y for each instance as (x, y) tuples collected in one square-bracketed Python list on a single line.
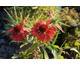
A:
[(29, 57), (67, 47), (76, 56), (25, 41), (56, 46), (76, 44), (21, 15), (11, 42), (60, 52), (49, 47), (74, 50), (54, 52), (63, 43), (22, 45), (24, 48), (15, 56), (34, 46), (45, 54), (15, 13), (60, 57), (41, 56), (9, 15)]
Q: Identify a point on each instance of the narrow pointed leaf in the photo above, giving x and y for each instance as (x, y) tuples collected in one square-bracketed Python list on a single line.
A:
[(29, 57), (55, 39), (34, 46), (74, 50), (24, 48), (15, 13), (55, 54), (76, 56), (41, 56), (9, 15), (21, 18), (56, 46), (15, 56), (22, 45), (45, 54), (11, 42)]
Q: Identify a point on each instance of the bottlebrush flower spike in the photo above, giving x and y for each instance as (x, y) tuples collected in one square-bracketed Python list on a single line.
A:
[(27, 16), (65, 24), (59, 27), (18, 32), (51, 13), (42, 32)]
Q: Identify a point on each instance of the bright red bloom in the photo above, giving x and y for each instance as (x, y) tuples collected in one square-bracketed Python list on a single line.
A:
[(18, 32), (42, 32)]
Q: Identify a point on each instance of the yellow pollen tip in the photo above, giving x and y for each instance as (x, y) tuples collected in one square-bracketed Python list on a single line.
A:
[(44, 32)]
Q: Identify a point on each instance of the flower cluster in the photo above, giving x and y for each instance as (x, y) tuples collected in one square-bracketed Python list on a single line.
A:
[(18, 32), (41, 30)]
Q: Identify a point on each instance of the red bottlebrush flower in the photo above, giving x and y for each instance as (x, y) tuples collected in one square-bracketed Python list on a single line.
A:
[(42, 32), (18, 32), (59, 27)]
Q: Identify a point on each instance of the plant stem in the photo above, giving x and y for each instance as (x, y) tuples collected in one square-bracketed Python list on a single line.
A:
[(63, 43), (55, 37)]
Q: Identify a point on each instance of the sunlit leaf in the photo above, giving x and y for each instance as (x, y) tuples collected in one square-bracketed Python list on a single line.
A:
[(76, 56), (22, 45), (67, 47), (56, 46), (73, 49), (41, 56), (54, 52), (60, 57), (76, 44), (15, 56), (49, 47), (34, 7), (45, 54), (60, 52)]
